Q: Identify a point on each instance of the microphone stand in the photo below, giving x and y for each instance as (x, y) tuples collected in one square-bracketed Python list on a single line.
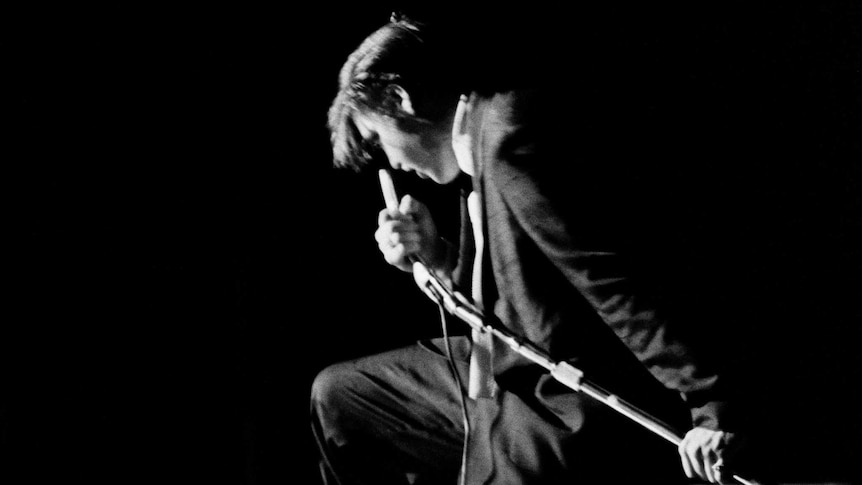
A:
[(459, 306)]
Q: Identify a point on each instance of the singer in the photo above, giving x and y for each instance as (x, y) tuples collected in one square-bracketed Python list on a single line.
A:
[(555, 244)]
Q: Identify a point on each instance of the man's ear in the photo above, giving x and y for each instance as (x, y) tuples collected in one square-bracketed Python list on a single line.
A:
[(400, 98)]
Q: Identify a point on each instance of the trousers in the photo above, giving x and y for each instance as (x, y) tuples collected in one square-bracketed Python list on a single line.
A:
[(397, 418)]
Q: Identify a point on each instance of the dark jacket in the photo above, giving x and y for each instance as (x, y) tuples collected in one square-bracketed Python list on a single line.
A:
[(561, 212)]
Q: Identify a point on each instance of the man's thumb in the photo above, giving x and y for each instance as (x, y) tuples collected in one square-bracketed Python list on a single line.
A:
[(408, 205)]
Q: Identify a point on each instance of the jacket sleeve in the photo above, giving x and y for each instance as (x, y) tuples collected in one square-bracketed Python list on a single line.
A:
[(570, 223)]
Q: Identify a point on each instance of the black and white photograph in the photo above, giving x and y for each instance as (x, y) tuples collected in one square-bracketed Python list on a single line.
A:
[(432, 243)]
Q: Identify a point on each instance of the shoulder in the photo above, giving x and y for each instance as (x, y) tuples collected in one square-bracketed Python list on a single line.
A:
[(505, 124), (516, 135), (511, 107)]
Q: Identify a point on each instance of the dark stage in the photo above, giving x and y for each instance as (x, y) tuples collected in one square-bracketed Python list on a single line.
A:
[(184, 258)]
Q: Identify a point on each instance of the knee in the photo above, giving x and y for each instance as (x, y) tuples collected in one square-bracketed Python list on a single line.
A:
[(329, 386)]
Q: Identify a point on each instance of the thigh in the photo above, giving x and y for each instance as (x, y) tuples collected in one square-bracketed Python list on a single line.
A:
[(402, 405), (574, 439)]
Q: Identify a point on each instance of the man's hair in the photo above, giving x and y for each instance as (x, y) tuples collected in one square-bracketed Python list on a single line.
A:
[(402, 52)]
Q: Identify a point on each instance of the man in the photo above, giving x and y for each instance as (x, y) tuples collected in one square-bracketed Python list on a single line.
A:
[(550, 221)]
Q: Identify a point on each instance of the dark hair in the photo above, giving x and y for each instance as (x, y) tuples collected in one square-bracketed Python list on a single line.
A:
[(403, 52)]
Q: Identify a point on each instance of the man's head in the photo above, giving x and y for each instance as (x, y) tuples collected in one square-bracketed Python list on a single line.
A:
[(397, 93)]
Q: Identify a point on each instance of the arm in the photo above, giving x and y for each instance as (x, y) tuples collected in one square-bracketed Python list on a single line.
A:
[(558, 221)]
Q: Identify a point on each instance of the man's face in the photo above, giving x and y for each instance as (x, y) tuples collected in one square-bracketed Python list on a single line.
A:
[(426, 153)]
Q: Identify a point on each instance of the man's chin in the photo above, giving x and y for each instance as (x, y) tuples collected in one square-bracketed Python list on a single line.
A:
[(432, 177), (444, 179)]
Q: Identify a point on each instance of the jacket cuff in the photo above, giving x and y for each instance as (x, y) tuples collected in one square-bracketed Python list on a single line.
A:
[(712, 415)]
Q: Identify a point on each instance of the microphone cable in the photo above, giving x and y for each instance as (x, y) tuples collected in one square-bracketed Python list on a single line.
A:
[(461, 393)]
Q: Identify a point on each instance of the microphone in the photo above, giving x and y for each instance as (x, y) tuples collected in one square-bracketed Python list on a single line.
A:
[(387, 186)]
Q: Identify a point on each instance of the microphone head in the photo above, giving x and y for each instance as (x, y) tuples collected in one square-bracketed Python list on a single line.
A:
[(387, 186), (422, 277)]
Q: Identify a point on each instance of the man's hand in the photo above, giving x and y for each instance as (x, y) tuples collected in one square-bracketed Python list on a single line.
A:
[(409, 231), (707, 454)]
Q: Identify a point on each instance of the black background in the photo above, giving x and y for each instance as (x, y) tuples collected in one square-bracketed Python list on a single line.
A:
[(184, 259)]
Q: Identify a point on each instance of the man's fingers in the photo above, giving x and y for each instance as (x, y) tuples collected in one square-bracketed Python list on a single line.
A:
[(696, 460), (686, 466), (408, 205), (717, 469), (397, 256), (412, 209), (398, 253), (385, 215), (691, 446), (388, 215), (396, 238), (381, 235), (386, 229), (702, 453), (708, 460)]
